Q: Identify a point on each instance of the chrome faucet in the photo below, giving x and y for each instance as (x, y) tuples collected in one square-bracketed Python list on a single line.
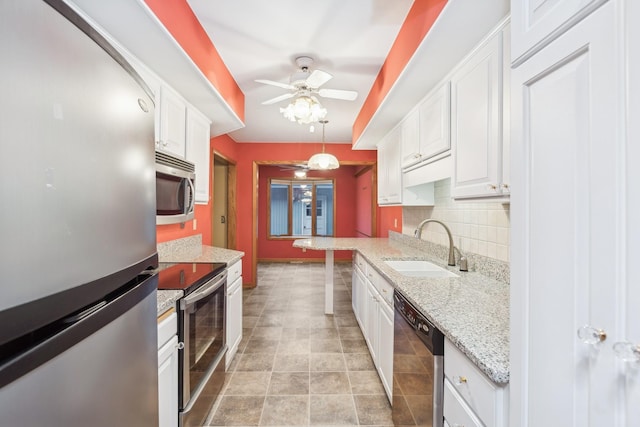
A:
[(418, 234)]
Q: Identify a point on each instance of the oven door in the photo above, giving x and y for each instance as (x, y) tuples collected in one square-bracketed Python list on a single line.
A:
[(202, 361)]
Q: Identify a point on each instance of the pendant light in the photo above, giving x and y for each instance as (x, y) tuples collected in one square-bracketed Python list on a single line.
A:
[(323, 161)]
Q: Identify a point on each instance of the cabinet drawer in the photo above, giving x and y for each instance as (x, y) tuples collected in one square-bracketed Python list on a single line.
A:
[(167, 326), (234, 271), (480, 393), (360, 263), (384, 288), (456, 412)]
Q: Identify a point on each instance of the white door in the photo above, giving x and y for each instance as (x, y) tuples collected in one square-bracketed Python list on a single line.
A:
[(321, 217), (565, 217)]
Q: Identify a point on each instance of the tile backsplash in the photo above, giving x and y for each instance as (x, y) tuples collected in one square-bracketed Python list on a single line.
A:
[(479, 228)]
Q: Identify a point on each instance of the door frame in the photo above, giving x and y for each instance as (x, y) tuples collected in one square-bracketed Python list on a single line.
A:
[(231, 197)]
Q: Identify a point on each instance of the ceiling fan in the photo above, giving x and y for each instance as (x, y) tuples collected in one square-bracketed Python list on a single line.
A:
[(307, 83)]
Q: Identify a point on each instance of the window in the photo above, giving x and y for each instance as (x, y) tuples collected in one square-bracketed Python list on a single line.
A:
[(301, 208)]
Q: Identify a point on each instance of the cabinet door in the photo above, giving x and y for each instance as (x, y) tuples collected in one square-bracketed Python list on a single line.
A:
[(389, 172), (628, 374), (234, 319), (410, 154), (168, 383), (538, 22), (198, 152), (565, 146), (476, 123), (385, 347), (435, 114), (371, 335), (173, 122)]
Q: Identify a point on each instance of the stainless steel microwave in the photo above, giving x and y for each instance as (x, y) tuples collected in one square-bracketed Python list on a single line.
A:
[(175, 189)]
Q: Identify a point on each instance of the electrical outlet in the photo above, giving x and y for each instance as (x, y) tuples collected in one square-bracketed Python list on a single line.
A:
[(195, 223), (395, 222)]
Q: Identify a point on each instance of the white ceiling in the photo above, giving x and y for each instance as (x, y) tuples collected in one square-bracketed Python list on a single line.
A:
[(259, 39)]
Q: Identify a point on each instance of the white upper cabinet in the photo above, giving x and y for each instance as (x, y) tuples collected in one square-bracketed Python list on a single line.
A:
[(537, 22), (425, 131), (198, 151), (389, 172), (435, 114), (477, 122), (410, 139), (173, 122)]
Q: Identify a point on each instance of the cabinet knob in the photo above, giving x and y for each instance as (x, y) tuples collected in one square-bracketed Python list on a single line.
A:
[(627, 351), (590, 335), (461, 380), (506, 187), (180, 345), (492, 187)]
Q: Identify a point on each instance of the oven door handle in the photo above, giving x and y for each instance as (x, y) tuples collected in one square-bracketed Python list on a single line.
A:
[(204, 291)]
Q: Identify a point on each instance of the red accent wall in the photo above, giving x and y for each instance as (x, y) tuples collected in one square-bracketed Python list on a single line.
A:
[(346, 214), (387, 216), (417, 24)]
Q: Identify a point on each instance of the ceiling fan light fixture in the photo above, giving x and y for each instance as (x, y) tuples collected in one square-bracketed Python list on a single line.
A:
[(323, 161), (304, 109), (300, 174)]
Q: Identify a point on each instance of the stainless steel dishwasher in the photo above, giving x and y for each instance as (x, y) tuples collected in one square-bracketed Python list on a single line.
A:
[(418, 367)]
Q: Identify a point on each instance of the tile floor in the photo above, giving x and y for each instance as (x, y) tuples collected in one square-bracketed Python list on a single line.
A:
[(296, 365)]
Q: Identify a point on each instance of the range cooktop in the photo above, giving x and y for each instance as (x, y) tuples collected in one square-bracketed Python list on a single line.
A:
[(187, 276)]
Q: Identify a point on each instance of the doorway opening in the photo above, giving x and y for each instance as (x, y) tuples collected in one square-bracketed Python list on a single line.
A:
[(223, 214)]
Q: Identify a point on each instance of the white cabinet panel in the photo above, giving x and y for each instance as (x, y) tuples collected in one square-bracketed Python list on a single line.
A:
[(168, 383), (233, 328), (168, 369), (389, 171), (375, 316), (198, 152), (538, 22), (410, 137), (435, 123), (385, 347), (565, 119), (173, 122), (476, 123)]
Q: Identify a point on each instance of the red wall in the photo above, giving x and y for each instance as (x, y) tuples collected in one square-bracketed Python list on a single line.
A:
[(364, 193), (387, 217), (346, 214)]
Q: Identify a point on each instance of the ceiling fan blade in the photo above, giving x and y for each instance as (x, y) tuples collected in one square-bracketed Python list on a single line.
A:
[(346, 95), (318, 78), (278, 98), (277, 84)]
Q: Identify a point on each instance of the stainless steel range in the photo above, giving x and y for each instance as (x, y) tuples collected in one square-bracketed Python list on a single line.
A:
[(201, 329)]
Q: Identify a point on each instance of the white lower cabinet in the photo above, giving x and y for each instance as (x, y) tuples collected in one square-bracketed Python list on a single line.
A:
[(372, 303), (168, 369), (234, 311), (470, 397)]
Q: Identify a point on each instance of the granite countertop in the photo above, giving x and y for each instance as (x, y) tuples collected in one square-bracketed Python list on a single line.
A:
[(204, 253), (167, 299), (187, 250), (471, 310)]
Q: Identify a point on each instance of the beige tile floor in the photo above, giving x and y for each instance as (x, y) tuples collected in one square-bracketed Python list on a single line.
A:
[(296, 365)]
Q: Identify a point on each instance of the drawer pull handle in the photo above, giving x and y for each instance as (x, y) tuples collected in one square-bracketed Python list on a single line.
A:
[(590, 335), (461, 380), (627, 351)]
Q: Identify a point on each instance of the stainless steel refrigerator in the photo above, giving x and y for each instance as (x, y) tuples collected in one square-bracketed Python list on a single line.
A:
[(77, 226)]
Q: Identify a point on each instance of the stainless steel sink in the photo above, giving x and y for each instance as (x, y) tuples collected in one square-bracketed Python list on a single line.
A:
[(416, 268)]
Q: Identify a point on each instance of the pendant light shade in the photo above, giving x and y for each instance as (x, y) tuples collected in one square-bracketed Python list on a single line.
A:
[(323, 161)]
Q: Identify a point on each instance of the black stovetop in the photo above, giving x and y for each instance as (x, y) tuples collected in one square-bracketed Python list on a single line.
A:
[(187, 276)]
